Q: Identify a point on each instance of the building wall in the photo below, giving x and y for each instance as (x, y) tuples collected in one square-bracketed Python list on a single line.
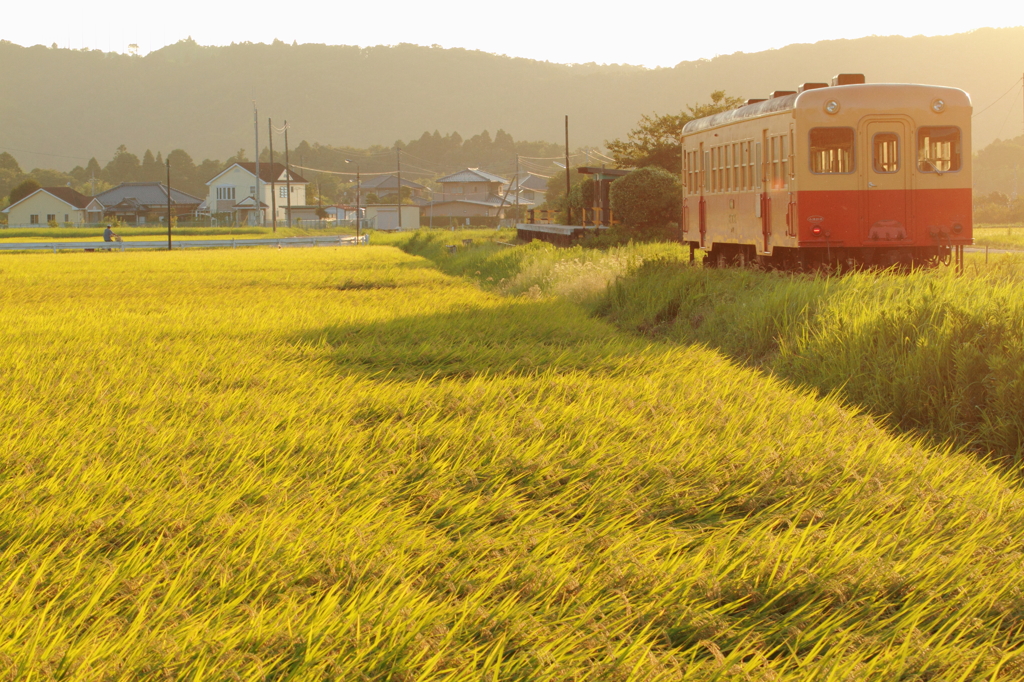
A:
[(456, 208), (244, 183), (385, 217), (43, 204), (470, 190), (241, 180)]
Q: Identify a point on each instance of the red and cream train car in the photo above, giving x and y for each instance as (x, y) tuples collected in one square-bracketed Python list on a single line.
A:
[(847, 174)]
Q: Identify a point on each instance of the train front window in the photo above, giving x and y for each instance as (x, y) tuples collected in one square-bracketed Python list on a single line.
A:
[(886, 152), (831, 150), (938, 149)]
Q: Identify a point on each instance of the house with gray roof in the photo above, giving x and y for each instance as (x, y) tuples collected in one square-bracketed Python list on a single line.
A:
[(142, 202), (386, 186), (471, 192)]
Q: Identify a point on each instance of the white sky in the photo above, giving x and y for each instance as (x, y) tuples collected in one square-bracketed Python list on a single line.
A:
[(602, 31)]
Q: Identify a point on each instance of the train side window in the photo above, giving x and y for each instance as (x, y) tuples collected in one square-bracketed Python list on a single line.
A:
[(736, 183), (704, 170), (730, 159), (744, 157), (783, 160), (886, 152), (720, 169), (750, 165), (776, 175), (938, 149), (757, 168), (831, 150), (725, 169), (713, 185)]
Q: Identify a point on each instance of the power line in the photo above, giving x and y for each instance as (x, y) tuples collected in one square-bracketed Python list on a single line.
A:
[(321, 170), (1012, 87), (27, 151)]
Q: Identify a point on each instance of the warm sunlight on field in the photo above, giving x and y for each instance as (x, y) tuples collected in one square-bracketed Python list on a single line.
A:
[(340, 463)]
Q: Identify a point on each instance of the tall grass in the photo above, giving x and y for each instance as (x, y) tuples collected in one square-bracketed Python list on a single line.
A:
[(1008, 237), (343, 464), (931, 351)]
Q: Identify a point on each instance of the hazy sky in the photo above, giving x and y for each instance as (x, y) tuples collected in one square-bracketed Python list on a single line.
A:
[(602, 31)]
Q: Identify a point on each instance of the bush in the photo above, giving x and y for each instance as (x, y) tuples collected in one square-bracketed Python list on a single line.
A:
[(647, 199)]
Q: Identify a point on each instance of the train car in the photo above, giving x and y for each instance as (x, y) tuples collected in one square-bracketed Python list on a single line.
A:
[(846, 174)]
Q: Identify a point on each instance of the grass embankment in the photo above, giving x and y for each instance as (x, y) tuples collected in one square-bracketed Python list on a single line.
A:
[(157, 233), (930, 351), (342, 464), (1007, 237)]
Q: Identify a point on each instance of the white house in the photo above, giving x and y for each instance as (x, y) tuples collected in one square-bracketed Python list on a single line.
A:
[(49, 206), (233, 191)]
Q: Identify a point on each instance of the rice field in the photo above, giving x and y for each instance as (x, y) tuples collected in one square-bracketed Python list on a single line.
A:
[(1001, 237), (344, 464)]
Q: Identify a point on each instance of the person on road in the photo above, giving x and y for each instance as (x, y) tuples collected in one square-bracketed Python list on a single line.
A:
[(108, 234)]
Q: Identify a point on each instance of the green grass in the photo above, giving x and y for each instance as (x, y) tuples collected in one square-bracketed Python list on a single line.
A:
[(343, 464), (156, 232), (928, 352), (1003, 237)]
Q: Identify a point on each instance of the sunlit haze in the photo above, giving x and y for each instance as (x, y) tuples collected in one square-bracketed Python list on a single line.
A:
[(599, 31)]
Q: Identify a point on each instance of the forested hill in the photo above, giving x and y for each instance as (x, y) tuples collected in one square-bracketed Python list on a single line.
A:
[(86, 103)]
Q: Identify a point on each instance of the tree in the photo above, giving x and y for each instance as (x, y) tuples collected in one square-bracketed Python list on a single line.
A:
[(23, 190), (183, 172), (151, 170), (8, 162), (581, 196), (554, 198), (124, 167), (648, 199), (655, 141)]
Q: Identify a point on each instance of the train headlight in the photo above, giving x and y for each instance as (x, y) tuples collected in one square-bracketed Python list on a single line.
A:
[(958, 228), (831, 107), (938, 106), (816, 230)]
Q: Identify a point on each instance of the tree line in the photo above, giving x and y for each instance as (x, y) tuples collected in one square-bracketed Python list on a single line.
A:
[(330, 170)]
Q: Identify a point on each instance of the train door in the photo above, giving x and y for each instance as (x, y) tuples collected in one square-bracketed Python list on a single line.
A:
[(791, 211), (764, 186), (885, 180), (702, 207)]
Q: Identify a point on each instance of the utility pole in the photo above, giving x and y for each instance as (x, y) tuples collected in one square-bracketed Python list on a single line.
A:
[(519, 188), (168, 202), (288, 177), (256, 127), (568, 210), (273, 196), (358, 210), (398, 152)]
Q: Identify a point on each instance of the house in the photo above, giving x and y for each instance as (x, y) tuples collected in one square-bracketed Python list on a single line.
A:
[(139, 203), (233, 191), (385, 217), (531, 188), (471, 192), (386, 186), (50, 206)]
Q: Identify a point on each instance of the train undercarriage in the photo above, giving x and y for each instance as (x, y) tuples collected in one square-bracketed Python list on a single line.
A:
[(833, 259)]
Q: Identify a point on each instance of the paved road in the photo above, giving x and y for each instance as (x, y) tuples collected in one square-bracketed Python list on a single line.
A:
[(98, 245)]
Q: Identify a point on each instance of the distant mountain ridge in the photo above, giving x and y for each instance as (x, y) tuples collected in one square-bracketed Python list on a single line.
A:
[(80, 104)]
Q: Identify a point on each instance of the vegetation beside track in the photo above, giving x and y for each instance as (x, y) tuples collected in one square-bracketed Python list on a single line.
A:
[(1000, 237), (157, 233), (927, 352), (343, 464)]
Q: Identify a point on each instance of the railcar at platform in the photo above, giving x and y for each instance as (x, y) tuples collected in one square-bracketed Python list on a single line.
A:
[(847, 174)]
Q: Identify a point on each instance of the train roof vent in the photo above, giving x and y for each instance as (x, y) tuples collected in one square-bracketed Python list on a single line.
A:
[(782, 93), (848, 79), (753, 101), (811, 86)]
